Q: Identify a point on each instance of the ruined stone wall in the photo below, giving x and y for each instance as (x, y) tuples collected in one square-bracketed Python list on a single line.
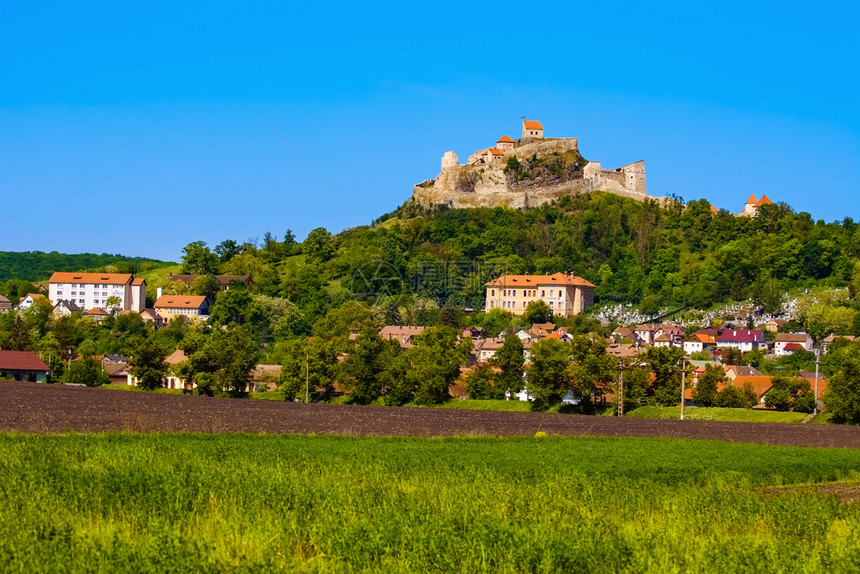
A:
[(487, 185)]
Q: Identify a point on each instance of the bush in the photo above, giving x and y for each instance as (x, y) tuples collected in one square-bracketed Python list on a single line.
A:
[(87, 371)]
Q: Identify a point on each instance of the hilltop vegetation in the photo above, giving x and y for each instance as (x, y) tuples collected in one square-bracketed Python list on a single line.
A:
[(36, 265)]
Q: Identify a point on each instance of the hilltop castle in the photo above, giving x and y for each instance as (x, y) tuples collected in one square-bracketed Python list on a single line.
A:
[(526, 172)]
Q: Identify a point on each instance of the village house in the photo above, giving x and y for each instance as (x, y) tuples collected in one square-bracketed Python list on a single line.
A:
[(97, 315), (403, 334), (5, 305), (23, 366), (787, 343), (774, 325), (830, 338), (742, 339), (194, 307), (565, 293), (91, 290), (29, 300), (735, 371), (173, 381), (64, 308), (672, 336), (698, 342)]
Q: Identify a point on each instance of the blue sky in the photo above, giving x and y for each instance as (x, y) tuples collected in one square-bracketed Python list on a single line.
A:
[(135, 128)]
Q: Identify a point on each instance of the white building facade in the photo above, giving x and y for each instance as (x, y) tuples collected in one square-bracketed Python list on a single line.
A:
[(92, 290)]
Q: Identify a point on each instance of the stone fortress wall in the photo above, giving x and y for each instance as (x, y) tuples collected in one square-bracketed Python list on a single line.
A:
[(482, 181)]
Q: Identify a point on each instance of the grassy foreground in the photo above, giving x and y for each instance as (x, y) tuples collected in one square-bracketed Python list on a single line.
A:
[(213, 503)]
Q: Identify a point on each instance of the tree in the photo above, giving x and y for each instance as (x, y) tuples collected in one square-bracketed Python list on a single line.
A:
[(221, 362), (198, 259), (113, 304), (435, 362), (52, 354), (842, 396), (705, 393), (510, 359), (665, 363), (311, 361), (592, 371), (363, 368), (548, 378), (318, 245), (206, 285), (479, 384), (146, 363), (785, 391), (537, 311), (227, 249), (87, 371), (236, 306)]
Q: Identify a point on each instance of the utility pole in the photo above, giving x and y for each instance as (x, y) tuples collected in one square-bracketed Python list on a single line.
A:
[(620, 388), (307, 377), (683, 377), (817, 361)]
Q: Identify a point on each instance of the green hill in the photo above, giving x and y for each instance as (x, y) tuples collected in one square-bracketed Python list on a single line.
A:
[(36, 265)]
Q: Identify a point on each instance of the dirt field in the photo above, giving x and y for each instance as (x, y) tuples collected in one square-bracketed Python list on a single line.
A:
[(40, 408)]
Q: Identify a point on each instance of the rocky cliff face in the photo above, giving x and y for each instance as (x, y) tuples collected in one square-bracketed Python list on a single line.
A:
[(533, 173)]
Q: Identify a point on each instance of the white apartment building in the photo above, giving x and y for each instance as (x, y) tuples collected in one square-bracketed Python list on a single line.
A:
[(92, 290)]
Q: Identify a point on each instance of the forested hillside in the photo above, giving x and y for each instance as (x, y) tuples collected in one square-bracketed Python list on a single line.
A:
[(633, 252), (36, 265)]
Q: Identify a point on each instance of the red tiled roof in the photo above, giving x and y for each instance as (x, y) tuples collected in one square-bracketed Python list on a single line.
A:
[(21, 361), (763, 201), (97, 311), (740, 335), (180, 302), (106, 278), (791, 338), (496, 151), (505, 139), (138, 281), (760, 384), (714, 209), (794, 347), (752, 199), (536, 280), (532, 125)]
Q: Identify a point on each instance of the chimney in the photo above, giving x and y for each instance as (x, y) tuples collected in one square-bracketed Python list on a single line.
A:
[(159, 292)]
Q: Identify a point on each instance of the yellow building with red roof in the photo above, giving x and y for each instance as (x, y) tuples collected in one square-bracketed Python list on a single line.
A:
[(565, 293)]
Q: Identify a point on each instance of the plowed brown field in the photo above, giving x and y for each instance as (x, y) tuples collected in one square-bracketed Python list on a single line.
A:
[(40, 408)]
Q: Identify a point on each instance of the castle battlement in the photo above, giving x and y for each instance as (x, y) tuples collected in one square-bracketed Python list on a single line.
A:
[(553, 169)]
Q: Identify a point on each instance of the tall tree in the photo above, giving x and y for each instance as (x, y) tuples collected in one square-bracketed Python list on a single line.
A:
[(435, 362), (510, 359), (665, 363), (362, 371), (548, 377), (146, 363), (705, 393), (842, 396), (197, 259), (593, 371)]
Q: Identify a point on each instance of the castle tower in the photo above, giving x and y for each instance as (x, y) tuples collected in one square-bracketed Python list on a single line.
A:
[(505, 144), (532, 129), (450, 159)]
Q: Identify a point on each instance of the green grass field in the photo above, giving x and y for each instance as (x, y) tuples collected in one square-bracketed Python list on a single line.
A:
[(214, 503), (715, 414)]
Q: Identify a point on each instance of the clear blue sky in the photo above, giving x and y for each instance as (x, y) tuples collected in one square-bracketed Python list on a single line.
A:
[(136, 128)]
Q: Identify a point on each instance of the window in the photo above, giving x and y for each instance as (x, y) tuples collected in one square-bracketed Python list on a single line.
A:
[(74, 293), (514, 293), (493, 294), (543, 292), (81, 301)]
